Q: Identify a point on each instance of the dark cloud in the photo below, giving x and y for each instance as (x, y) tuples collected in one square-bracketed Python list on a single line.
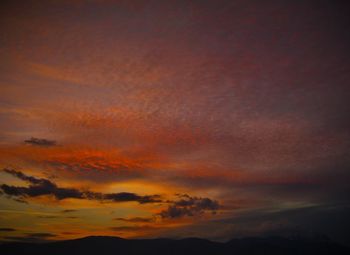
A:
[(48, 217), (189, 206), (135, 219), (69, 233), (41, 235), (20, 200), (26, 178), (39, 187), (68, 211), (56, 217), (7, 229), (40, 142), (126, 197), (31, 237), (132, 228), (24, 239)]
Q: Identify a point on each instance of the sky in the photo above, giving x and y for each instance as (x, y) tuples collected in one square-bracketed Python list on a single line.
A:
[(144, 119)]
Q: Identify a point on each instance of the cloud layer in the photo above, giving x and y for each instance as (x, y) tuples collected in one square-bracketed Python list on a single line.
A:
[(242, 105)]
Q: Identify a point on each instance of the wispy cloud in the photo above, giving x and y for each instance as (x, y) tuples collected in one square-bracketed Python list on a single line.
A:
[(135, 219), (32, 237), (68, 210), (7, 229), (40, 142)]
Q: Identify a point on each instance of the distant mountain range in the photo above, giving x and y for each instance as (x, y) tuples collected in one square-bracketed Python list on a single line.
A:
[(103, 245)]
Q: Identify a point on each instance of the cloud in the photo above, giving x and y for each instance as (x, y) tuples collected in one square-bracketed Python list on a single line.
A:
[(189, 206), (39, 187), (132, 228), (135, 219), (56, 216), (69, 233), (48, 217), (31, 237), (68, 211), (7, 229), (244, 124), (40, 142), (126, 197), (20, 200), (41, 235), (24, 177)]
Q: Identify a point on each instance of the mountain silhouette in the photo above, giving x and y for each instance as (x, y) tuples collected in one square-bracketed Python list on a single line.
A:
[(106, 245)]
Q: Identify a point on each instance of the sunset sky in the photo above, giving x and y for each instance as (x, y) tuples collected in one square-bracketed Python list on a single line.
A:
[(143, 119)]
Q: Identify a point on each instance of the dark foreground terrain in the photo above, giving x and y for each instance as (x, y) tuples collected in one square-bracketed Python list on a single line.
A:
[(114, 245)]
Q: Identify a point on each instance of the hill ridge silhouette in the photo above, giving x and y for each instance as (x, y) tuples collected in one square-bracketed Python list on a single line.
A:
[(106, 245)]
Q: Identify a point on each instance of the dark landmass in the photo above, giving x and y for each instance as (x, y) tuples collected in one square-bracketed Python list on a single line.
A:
[(114, 245)]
